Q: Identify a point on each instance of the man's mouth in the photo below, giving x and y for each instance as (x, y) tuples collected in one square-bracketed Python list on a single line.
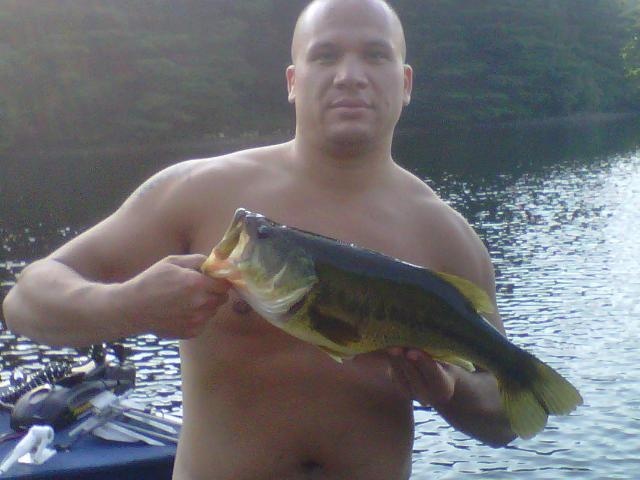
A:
[(351, 103)]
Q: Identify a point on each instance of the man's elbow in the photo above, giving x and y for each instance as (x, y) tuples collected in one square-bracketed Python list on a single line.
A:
[(500, 439), (10, 312)]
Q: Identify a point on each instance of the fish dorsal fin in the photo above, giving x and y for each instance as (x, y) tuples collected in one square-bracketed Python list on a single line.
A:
[(476, 295)]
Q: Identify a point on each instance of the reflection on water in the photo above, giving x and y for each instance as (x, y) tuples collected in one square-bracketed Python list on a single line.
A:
[(560, 214), (564, 243)]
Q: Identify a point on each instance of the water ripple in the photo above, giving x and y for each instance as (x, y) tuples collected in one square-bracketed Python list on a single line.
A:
[(564, 239), (568, 275)]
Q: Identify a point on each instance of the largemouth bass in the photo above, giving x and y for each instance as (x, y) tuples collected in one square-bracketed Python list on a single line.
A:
[(349, 300)]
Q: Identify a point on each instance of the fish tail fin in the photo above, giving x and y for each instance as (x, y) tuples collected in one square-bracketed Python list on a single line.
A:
[(529, 403)]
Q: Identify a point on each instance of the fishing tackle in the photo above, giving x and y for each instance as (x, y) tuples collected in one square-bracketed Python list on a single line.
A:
[(68, 374), (49, 374)]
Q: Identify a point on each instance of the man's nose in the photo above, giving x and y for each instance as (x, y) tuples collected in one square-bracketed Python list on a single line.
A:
[(351, 73)]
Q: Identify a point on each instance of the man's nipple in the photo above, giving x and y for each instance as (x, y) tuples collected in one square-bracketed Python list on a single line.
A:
[(241, 307)]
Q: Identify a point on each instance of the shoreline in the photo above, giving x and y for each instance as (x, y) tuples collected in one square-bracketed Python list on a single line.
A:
[(575, 120), (218, 145), (578, 120)]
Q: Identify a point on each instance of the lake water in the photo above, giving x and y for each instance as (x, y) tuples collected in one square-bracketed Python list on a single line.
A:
[(559, 210)]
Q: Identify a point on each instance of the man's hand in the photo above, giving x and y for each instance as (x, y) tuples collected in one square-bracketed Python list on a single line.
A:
[(425, 380), (469, 401), (172, 298)]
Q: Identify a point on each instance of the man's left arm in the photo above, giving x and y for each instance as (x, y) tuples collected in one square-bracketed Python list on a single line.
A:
[(469, 401)]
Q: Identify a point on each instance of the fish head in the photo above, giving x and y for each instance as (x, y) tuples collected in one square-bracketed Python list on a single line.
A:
[(266, 263)]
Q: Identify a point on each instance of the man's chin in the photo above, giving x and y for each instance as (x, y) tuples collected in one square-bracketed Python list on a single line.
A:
[(352, 139)]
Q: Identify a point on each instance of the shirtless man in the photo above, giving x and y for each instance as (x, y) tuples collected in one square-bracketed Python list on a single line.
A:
[(259, 404)]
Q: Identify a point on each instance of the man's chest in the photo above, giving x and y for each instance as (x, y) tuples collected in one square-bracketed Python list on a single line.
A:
[(387, 223)]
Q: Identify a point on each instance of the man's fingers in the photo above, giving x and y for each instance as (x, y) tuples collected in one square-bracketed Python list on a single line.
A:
[(435, 376), (423, 378), (218, 286), (399, 373), (215, 300), (193, 260), (420, 388)]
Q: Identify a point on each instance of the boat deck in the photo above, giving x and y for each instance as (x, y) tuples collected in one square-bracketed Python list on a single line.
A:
[(93, 458)]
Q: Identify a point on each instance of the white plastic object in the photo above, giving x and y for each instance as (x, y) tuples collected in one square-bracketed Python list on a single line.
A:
[(32, 449)]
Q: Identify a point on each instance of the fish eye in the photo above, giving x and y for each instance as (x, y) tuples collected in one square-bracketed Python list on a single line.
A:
[(263, 231)]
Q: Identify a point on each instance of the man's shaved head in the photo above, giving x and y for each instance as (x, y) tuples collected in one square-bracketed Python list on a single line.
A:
[(318, 7), (348, 81)]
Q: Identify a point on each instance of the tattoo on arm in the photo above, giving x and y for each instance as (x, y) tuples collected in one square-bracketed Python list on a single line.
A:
[(180, 170)]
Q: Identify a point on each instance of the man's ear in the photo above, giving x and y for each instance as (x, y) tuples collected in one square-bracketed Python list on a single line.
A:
[(291, 83), (408, 84)]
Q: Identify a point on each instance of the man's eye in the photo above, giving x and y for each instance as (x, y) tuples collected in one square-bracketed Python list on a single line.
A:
[(377, 55), (324, 57), (264, 231)]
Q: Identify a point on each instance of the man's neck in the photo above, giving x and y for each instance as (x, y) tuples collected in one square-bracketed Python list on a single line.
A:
[(343, 168)]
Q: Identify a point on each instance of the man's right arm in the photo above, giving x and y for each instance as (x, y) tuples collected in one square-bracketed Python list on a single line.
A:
[(126, 276)]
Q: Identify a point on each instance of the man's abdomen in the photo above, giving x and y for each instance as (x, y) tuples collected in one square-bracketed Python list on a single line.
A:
[(270, 407)]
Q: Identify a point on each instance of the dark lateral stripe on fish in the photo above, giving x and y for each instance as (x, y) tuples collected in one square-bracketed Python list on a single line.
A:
[(335, 329), (335, 279)]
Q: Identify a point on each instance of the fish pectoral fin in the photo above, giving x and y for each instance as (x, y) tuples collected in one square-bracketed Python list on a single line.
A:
[(338, 357), (333, 328), (472, 292), (454, 360)]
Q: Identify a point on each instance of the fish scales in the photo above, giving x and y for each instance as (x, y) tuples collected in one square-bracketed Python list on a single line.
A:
[(428, 321)]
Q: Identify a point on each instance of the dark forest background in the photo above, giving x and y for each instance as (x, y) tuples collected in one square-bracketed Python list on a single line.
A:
[(95, 72)]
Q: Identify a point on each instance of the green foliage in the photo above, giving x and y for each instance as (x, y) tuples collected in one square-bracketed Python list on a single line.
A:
[(631, 51), (504, 60), (92, 71)]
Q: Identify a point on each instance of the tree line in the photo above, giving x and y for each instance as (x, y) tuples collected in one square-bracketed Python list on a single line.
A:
[(93, 72)]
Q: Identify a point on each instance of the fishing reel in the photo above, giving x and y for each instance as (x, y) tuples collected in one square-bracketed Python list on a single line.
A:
[(60, 393), (19, 384), (57, 406)]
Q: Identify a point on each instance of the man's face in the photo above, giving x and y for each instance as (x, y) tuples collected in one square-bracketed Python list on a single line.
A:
[(349, 82)]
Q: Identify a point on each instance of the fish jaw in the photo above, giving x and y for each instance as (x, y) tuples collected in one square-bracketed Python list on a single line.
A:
[(223, 268), (233, 236)]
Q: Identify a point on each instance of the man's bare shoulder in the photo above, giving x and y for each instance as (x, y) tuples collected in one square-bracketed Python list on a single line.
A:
[(247, 161), (216, 171), (456, 246), (413, 186), (181, 195), (429, 209), (162, 214), (453, 243), (430, 206)]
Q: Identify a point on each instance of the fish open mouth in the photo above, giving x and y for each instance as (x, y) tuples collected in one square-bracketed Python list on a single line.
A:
[(231, 238), (264, 264), (222, 263)]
